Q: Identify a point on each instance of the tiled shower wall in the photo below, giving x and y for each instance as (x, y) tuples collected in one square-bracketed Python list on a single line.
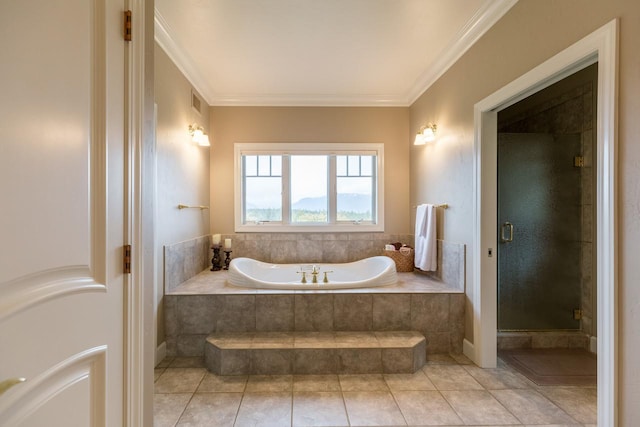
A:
[(572, 111)]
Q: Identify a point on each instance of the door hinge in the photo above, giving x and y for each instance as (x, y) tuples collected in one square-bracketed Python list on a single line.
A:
[(127, 259), (577, 314), (578, 161), (127, 25)]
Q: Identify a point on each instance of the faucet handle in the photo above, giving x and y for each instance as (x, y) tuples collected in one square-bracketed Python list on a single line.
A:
[(304, 276), (325, 279)]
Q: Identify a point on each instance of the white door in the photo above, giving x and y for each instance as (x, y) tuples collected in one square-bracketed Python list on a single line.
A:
[(61, 212)]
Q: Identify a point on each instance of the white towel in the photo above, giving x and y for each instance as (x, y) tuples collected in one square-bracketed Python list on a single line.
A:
[(425, 238)]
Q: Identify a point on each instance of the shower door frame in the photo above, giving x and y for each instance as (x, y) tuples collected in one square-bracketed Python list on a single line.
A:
[(601, 46)]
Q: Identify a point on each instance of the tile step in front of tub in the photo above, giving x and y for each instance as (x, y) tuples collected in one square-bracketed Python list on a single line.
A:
[(276, 353)]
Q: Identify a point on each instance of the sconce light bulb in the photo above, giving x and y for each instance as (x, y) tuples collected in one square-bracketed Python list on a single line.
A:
[(198, 136), (425, 134), (428, 135), (204, 141)]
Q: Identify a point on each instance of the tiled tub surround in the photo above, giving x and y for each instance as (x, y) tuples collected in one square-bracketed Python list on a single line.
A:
[(290, 248), (206, 304), (450, 264), (200, 303), (184, 260)]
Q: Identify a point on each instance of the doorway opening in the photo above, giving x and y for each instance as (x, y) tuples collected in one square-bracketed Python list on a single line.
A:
[(546, 211), (601, 47), (546, 216)]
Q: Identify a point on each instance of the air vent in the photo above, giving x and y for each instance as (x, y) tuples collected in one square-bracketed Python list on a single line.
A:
[(195, 102)]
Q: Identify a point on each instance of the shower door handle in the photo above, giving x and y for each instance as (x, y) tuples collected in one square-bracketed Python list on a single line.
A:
[(506, 226)]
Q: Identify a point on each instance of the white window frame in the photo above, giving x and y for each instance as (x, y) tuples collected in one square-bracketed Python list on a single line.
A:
[(241, 149)]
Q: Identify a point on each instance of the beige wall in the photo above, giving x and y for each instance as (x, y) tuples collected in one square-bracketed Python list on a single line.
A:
[(182, 167), (311, 124), (529, 34)]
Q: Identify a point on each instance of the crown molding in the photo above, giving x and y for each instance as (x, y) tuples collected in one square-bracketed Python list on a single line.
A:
[(490, 12), (163, 36), (308, 100), (485, 18)]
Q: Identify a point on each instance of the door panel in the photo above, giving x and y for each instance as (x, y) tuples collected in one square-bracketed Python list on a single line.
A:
[(76, 394), (61, 148), (539, 196)]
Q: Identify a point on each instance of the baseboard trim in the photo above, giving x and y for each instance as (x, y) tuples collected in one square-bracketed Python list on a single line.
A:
[(469, 350), (161, 353)]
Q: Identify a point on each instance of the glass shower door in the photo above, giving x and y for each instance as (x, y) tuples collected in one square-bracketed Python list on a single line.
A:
[(539, 227)]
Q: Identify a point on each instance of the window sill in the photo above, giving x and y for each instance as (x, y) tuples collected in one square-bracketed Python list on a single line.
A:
[(329, 228)]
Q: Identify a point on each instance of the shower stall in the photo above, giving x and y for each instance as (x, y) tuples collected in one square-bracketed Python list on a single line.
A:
[(546, 211), (539, 250)]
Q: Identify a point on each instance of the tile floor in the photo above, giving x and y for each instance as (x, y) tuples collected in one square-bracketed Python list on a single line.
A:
[(448, 391)]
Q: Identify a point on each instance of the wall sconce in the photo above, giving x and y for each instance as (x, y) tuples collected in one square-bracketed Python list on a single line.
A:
[(426, 134), (198, 136)]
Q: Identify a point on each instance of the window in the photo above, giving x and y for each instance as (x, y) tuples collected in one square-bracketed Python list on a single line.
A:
[(309, 187), (262, 188)]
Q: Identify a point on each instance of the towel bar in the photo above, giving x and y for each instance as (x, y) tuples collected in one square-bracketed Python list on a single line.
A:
[(181, 206), (442, 205)]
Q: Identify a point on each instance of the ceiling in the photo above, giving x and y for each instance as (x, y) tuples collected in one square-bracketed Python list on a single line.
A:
[(319, 52)]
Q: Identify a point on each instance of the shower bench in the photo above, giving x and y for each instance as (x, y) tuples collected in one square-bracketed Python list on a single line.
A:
[(349, 352)]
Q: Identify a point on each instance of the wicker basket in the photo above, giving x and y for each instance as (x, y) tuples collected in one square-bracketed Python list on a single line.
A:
[(404, 261)]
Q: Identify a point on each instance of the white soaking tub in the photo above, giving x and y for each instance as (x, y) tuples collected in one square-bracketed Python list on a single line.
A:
[(366, 273)]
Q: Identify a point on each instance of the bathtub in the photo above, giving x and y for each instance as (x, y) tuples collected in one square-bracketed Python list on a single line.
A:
[(366, 273)]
